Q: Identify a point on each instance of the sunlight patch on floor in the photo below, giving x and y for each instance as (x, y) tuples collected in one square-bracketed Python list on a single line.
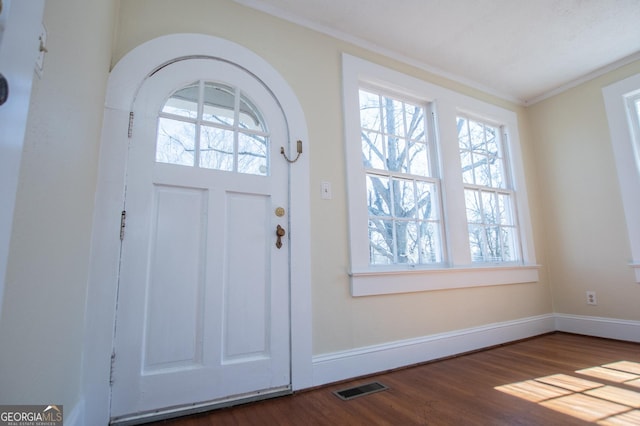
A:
[(628, 366), (634, 383), (571, 383), (615, 394), (626, 419), (607, 404), (608, 374), (533, 391), (585, 407)]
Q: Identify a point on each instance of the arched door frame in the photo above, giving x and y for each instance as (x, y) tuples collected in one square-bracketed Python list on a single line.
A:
[(124, 82)]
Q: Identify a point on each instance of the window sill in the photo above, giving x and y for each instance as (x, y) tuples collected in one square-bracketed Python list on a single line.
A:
[(371, 282)]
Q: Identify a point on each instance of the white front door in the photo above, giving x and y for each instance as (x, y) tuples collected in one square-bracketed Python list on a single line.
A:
[(203, 300)]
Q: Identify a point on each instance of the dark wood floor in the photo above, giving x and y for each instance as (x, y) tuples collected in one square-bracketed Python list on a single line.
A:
[(556, 379)]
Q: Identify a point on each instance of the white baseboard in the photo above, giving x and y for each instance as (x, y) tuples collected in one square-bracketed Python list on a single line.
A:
[(75, 417), (609, 328), (337, 366)]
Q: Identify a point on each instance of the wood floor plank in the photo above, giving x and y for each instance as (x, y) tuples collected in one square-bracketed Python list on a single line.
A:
[(470, 390)]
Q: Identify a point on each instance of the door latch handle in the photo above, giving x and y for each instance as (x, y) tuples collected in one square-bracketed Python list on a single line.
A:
[(280, 233)]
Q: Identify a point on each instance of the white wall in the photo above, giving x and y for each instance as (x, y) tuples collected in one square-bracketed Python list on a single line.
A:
[(19, 29), (42, 319)]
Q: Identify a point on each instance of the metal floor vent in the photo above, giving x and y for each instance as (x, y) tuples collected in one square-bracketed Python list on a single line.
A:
[(362, 390)]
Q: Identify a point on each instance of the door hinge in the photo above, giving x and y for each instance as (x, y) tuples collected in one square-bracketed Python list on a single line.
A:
[(123, 218), (130, 129), (113, 361)]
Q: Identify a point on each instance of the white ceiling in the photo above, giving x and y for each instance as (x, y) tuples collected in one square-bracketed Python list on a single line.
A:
[(522, 50)]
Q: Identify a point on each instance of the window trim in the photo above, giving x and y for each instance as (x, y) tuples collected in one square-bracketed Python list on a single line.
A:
[(458, 271), (625, 140)]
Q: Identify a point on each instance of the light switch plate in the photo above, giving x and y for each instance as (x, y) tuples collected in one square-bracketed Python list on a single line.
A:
[(326, 191)]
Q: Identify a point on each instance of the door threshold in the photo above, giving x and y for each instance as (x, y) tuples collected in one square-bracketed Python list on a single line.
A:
[(189, 409)]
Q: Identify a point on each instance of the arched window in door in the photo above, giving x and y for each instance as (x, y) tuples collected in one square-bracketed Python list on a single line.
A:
[(213, 126)]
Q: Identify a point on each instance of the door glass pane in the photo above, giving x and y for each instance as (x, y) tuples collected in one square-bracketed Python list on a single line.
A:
[(216, 148), (233, 133), (176, 142), (184, 102), (252, 154), (250, 117), (218, 104)]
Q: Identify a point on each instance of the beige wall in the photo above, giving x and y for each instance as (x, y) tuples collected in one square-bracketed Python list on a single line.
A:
[(310, 62), (588, 246), (42, 317)]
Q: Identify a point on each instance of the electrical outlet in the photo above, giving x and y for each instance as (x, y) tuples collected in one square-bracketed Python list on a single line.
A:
[(591, 298)]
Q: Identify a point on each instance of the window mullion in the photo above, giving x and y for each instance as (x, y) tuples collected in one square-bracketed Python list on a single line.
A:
[(418, 221), (394, 225), (196, 142), (236, 128)]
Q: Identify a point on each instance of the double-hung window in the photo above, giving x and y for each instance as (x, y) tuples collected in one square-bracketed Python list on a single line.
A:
[(489, 199), (403, 201), (436, 187)]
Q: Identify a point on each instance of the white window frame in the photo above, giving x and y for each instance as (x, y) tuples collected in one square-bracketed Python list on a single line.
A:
[(457, 271), (625, 140)]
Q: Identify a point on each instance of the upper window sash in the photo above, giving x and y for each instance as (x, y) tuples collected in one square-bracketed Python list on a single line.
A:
[(457, 268)]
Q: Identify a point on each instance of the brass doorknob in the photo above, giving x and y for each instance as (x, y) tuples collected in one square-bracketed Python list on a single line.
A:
[(280, 232)]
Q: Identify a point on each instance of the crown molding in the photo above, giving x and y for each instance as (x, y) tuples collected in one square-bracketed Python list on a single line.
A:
[(587, 77)]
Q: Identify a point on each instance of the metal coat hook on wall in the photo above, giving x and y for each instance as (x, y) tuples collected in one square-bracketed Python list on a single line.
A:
[(298, 149)]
